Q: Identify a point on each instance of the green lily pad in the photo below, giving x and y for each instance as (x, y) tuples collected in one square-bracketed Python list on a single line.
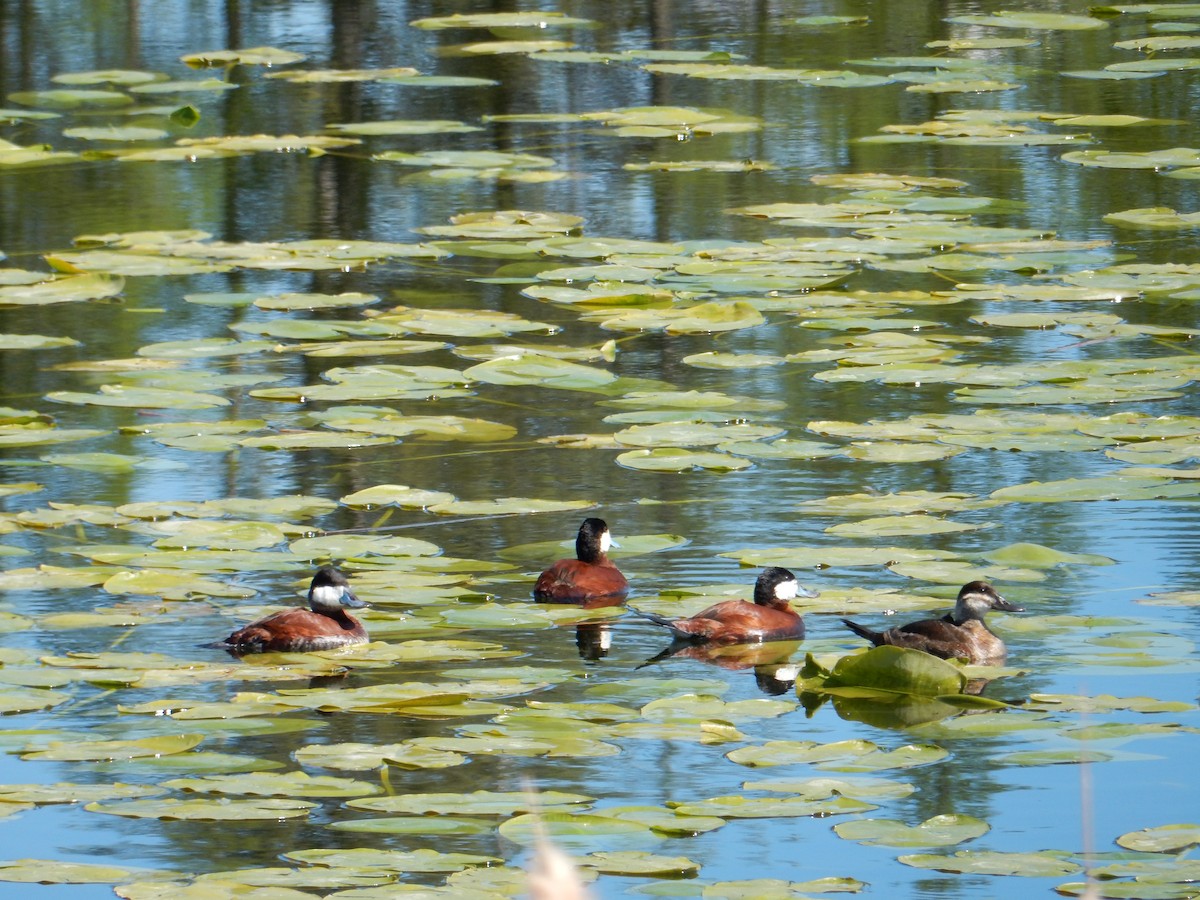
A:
[(254, 56), (223, 809), (111, 750), (1043, 864), (739, 807), (501, 20), (17, 700), (506, 506), (398, 861), (345, 546), (67, 289), (423, 825), (849, 755), (51, 871), (356, 757), (274, 784), (403, 126), (1032, 20), (395, 495), (938, 831), (569, 829), (475, 803), (898, 525), (670, 459), (1162, 839), (340, 76), (147, 398)]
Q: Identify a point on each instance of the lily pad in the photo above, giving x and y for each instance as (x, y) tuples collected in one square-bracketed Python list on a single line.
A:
[(938, 831), (1043, 864), (1162, 838), (222, 809)]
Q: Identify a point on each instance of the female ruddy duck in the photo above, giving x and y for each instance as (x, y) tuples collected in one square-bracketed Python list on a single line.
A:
[(324, 626), (588, 577), (769, 618), (959, 635)]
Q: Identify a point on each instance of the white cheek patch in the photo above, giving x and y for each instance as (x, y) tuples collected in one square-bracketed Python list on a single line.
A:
[(786, 590), (328, 596), (605, 542)]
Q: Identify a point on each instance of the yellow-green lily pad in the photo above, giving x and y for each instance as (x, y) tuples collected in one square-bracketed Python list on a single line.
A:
[(275, 784), (1043, 864), (938, 831), (222, 809)]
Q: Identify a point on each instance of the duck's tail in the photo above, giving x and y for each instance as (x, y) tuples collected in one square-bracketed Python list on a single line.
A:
[(665, 622), (873, 636)]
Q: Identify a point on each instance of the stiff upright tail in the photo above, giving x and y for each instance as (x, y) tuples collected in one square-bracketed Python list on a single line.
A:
[(873, 636)]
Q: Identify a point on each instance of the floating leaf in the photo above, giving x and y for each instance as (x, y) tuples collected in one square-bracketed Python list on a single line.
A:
[(357, 757), (739, 807), (34, 342), (938, 831), (403, 126), (254, 56), (506, 506), (424, 825), (147, 398), (475, 803), (395, 495), (1162, 839), (1043, 864), (16, 700), (50, 871), (398, 861), (1033, 20), (275, 784), (67, 289), (223, 809), (105, 750), (669, 459)]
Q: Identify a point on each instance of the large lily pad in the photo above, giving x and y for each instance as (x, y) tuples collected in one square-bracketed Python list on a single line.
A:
[(938, 831)]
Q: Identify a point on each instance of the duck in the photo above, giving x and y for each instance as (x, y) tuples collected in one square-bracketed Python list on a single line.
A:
[(325, 625), (769, 618), (591, 576), (961, 634)]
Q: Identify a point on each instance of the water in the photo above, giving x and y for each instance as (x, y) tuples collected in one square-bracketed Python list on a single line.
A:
[(345, 195)]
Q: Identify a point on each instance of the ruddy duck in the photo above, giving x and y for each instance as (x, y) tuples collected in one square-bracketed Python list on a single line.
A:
[(959, 635), (324, 626), (769, 618), (588, 577)]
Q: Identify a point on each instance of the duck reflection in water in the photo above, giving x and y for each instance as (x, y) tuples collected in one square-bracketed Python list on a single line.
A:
[(961, 634), (774, 670), (325, 625)]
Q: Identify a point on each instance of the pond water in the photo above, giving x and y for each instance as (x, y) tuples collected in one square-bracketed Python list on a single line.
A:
[(894, 295)]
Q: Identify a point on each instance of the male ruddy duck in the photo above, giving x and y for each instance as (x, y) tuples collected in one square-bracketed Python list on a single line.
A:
[(324, 626), (769, 618), (959, 635), (591, 575)]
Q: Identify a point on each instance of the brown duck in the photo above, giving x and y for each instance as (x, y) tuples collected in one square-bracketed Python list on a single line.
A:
[(959, 635)]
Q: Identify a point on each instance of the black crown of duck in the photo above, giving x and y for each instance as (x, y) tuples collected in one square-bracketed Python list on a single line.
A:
[(961, 634), (590, 576), (325, 625), (769, 618)]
